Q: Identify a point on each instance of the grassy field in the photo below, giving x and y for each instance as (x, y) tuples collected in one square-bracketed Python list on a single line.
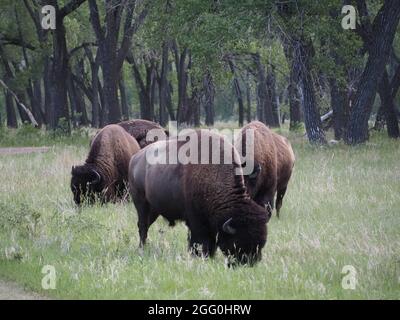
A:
[(342, 208)]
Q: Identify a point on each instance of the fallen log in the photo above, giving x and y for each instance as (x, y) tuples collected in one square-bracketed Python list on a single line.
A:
[(28, 112)]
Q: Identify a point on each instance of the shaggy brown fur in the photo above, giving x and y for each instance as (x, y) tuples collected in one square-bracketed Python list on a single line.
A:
[(210, 198), (274, 155), (139, 128), (105, 171)]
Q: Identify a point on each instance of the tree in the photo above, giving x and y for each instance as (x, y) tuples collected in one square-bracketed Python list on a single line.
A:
[(383, 31), (112, 53)]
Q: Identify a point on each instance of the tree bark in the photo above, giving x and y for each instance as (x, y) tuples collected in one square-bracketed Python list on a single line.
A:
[(312, 119), (163, 86), (388, 106), (272, 96), (10, 110), (248, 99), (182, 76), (384, 28), (124, 101), (209, 95), (264, 107), (112, 51), (238, 93), (338, 103)]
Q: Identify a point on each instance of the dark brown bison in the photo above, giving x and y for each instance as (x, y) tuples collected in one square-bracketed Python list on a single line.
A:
[(273, 165), (210, 198), (139, 128), (105, 172)]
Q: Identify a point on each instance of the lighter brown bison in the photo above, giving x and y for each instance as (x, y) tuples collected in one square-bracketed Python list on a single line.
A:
[(105, 172), (138, 128), (210, 198), (273, 164)]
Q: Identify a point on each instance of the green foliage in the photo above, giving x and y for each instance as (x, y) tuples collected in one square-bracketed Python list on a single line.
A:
[(27, 136)]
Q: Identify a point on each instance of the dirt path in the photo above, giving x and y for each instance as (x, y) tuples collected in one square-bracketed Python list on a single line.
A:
[(12, 291), (23, 150)]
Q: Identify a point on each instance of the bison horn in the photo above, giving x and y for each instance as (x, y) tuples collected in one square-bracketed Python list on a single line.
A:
[(226, 227), (97, 178), (256, 172)]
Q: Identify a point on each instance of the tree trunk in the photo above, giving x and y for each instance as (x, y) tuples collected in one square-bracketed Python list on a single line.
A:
[(388, 106), (59, 74), (34, 93), (209, 95), (272, 97), (112, 111), (384, 29), (163, 86), (47, 84), (72, 101), (238, 93), (264, 106), (338, 102), (10, 110), (112, 51), (182, 77), (124, 101), (294, 106), (293, 88), (248, 99), (94, 70), (312, 119), (145, 89)]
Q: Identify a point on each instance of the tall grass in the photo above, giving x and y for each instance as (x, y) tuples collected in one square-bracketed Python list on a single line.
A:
[(342, 208)]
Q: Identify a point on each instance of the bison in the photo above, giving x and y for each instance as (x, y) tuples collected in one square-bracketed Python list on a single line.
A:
[(139, 128), (273, 165), (210, 198), (105, 172)]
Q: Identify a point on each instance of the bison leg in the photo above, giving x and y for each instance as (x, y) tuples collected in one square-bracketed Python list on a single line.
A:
[(279, 197), (199, 240), (201, 245), (145, 219)]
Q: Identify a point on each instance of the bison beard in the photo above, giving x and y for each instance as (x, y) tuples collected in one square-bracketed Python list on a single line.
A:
[(105, 172), (210, 198), (273, 163)]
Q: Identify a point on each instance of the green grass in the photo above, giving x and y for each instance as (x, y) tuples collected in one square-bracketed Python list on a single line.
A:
[(28, 136), (342, 208)]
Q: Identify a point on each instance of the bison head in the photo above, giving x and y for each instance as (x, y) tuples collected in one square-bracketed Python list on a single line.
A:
[(85, 183), (252, 179), (243, 236)]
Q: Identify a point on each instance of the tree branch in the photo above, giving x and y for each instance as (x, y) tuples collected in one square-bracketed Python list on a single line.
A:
[(70, 7), (28, 112), (15, 41)]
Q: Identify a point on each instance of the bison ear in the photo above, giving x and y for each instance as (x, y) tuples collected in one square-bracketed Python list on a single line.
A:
[(256, 171), (227, 227)]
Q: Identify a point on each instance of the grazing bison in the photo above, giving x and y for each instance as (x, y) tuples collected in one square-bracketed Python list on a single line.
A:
[(139, 128), (210, 198), (273, 163), (105, 171)]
